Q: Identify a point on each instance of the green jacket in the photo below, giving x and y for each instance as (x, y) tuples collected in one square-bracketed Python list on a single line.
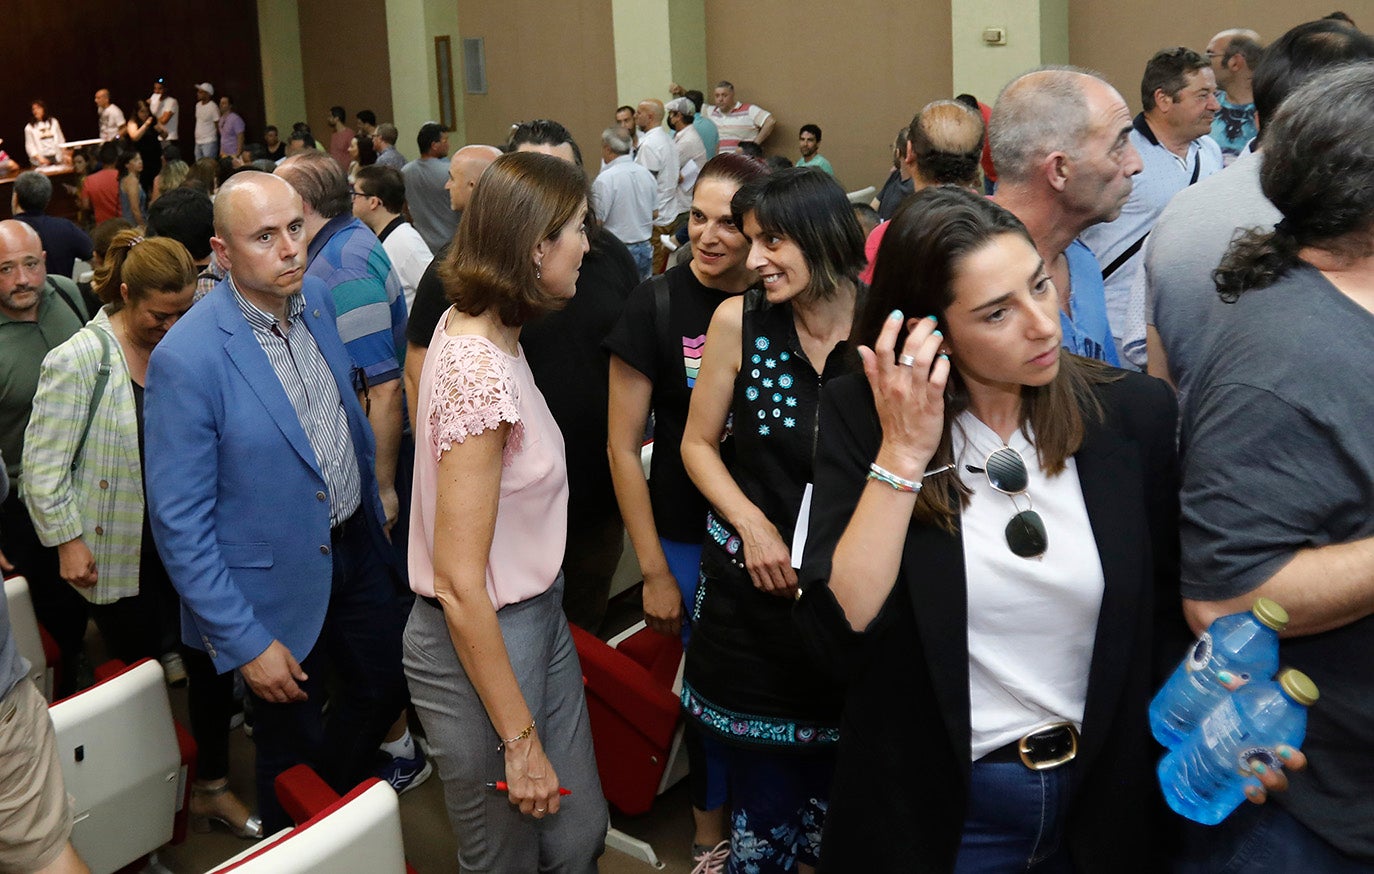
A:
[(102, 501)]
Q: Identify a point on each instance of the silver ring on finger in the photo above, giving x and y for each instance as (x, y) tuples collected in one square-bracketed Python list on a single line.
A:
[(541, 810), (906, 360)]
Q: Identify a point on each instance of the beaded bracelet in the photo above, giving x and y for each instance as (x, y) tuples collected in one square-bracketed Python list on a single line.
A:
[(883, 475), (529, 729)]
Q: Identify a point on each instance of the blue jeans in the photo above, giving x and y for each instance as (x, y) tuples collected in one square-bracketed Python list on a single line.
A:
[(361, 643), (1015, 820), (643, 253), (207, 150), (1261, 839)]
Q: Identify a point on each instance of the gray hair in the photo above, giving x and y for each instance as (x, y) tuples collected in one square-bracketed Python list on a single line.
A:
[(616, 139), (1037, 113), (33, 190)]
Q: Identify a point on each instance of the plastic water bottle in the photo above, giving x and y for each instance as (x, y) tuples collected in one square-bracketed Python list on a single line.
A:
[(1245, 644), (1205, 778)]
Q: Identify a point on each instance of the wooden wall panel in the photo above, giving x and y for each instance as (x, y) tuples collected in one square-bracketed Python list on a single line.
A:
[(63, 52)]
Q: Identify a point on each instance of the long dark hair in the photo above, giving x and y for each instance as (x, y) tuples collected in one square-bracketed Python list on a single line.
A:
[(1319, 172), (930, 237)]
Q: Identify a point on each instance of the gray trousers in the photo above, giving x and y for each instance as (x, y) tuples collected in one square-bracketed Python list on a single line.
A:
[(492, 834)]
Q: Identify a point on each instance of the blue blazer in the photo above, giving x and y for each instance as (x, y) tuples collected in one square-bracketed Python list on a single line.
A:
[(238, 505)]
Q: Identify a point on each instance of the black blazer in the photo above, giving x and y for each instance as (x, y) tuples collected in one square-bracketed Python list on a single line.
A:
[(901, 784)]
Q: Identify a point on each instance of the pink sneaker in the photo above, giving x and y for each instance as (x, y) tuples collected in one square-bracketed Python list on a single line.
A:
[(712, 861)]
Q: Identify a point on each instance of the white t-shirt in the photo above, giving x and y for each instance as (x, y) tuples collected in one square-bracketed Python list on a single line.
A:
[(658, 154), (1032, 623), (410, 255), (207, 122), (160, 103)]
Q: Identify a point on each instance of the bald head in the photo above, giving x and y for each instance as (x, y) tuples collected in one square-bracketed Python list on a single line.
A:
[(1234, 54), (945, 143), (22, 270), (260, 238), (464, 169), (1038, 113), (649, 115), (16, 233), (243, 191)]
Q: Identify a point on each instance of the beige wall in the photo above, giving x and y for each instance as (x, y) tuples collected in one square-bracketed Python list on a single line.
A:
[(283, 80), (859, 68), (544, 60), (982, 69), (1116, 39), (344, 57)]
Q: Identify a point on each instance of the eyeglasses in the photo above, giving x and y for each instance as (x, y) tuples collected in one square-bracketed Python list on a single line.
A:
[(354, 193), (1006, 472)]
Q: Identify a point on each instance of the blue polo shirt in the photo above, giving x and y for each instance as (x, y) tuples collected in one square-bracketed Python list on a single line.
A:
[(367, 294)]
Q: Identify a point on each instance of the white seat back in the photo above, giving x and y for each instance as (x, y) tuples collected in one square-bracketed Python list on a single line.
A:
[(122, 766), (362, 837), (24, 627)]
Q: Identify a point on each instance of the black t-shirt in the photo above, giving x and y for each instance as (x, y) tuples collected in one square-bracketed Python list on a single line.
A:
[(679, 509), (895, 190), (429, 305), (63, 241), (564, 352)]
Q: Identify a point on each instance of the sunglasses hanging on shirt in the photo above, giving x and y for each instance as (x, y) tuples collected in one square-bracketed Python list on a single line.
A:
[(1006, 472)]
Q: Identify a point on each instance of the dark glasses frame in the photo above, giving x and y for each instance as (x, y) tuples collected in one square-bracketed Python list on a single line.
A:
[(1007, 473)]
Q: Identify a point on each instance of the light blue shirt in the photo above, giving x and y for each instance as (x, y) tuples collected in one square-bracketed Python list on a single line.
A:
[(709, 133), (1165, 174), (1087, 333), (1233, 127)]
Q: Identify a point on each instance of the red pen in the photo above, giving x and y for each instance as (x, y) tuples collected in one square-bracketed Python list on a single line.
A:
[(500, 786)]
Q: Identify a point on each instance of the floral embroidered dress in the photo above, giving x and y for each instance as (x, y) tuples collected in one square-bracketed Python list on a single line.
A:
[(748, 677), (470, 385)]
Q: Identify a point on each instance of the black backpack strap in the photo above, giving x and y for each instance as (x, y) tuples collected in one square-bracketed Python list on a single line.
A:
[(1124, 257), (62, 292)]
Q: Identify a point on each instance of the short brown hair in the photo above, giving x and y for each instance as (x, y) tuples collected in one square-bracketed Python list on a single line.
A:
[(521, 199), (145, 264), (319, 180)]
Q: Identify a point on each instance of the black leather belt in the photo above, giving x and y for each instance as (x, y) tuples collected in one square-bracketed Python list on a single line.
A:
[(1041, 750)]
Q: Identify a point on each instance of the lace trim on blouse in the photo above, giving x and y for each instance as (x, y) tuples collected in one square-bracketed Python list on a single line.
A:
[(474, 390)]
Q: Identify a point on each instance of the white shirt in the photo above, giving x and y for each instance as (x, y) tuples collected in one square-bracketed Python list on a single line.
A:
[(160, 103), (43, 139), (658, 154), (623, 196), (410, 255), (207, 122), (111, 123), (1032, 623), (689, 148), (744, 122)]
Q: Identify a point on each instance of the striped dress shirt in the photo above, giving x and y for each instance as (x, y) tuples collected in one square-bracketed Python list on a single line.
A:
[(310, 386)]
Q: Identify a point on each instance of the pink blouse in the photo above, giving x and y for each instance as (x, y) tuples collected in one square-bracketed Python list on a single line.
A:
[(470, 385)]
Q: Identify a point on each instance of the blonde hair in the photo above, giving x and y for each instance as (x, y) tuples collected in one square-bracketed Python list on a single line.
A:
[(145, 265)]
